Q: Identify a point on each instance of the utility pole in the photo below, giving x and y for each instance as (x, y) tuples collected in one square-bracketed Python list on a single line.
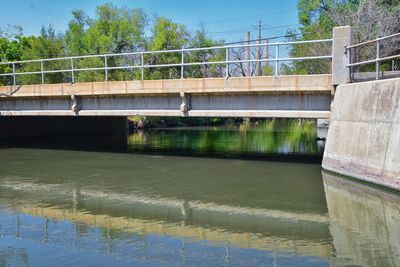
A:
[(265, 56), (258, 69), (248, 68)]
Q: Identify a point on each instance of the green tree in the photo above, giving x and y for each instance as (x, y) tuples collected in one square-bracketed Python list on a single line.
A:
[(112, 30), (11, 47), (75, 35), (200, 39), (17, 47), (166, 35), (369, 19), (47, 45)]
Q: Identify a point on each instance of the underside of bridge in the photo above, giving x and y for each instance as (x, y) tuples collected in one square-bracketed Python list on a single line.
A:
[(115, 128)]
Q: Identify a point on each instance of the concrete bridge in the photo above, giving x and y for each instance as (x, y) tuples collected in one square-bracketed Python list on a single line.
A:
[(76, 105), (363, 139)]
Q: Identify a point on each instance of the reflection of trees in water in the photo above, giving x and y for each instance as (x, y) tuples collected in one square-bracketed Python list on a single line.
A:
[(271, 136)]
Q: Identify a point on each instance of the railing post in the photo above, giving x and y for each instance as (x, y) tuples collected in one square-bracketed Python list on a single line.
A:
[(277, 60), (41, 70), (227, 62), (182, 62), (106, 67), (378, 48), (142, 64), (342, 38), (72, 70), (348, 54), (14, 76)]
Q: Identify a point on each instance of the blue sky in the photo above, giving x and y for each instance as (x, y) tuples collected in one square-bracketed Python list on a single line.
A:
[(223, 19)]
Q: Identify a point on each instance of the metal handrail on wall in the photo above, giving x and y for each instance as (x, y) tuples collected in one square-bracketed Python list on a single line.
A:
[(378, 51), (142, 66)]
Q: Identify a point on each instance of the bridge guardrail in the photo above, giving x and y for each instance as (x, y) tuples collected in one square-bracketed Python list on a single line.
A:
[(374, 60), (228, 60)]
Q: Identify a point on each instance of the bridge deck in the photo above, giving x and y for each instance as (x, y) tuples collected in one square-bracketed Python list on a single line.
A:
[(307, 96)]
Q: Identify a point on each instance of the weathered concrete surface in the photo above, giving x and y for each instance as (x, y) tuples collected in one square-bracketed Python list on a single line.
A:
[(229, 105), (364, 134), (342, 37), (364, 223), (281, 97), (300, 83), (31, 127)]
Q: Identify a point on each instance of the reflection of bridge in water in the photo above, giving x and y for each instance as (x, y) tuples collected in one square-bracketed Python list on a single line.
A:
[(154, 206), (230, 226), (362, 222)]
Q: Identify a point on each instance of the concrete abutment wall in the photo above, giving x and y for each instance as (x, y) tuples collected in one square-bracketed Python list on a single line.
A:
[(364, 136)]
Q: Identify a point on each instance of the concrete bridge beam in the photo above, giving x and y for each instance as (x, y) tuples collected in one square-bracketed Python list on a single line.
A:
[(279, 104), (306, 96)]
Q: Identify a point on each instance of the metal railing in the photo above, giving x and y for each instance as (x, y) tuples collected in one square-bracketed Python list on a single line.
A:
[(229, 57), (375, 59)]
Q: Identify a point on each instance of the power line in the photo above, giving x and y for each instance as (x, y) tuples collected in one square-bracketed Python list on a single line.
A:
[(225, 43), (241, 18), (264, 39), (230, 43), (239, 30), (230, 31)]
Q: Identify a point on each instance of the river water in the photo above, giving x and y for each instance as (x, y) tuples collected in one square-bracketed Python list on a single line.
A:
[(216, 196)]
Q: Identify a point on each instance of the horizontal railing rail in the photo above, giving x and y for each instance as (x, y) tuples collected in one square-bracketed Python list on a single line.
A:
[(374, 41), (365, 59), (72, 68)]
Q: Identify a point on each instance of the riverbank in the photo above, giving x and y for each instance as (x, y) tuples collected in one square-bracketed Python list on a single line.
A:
[(142, 122), (273, 140)]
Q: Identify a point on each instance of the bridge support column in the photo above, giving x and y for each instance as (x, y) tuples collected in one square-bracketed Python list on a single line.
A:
[(185, 106), (76, 104)]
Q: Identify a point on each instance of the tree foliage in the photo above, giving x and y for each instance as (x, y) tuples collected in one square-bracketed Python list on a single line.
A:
[(200, 39), (111, 30), (369, 19), (166, 35), (115, 29)]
